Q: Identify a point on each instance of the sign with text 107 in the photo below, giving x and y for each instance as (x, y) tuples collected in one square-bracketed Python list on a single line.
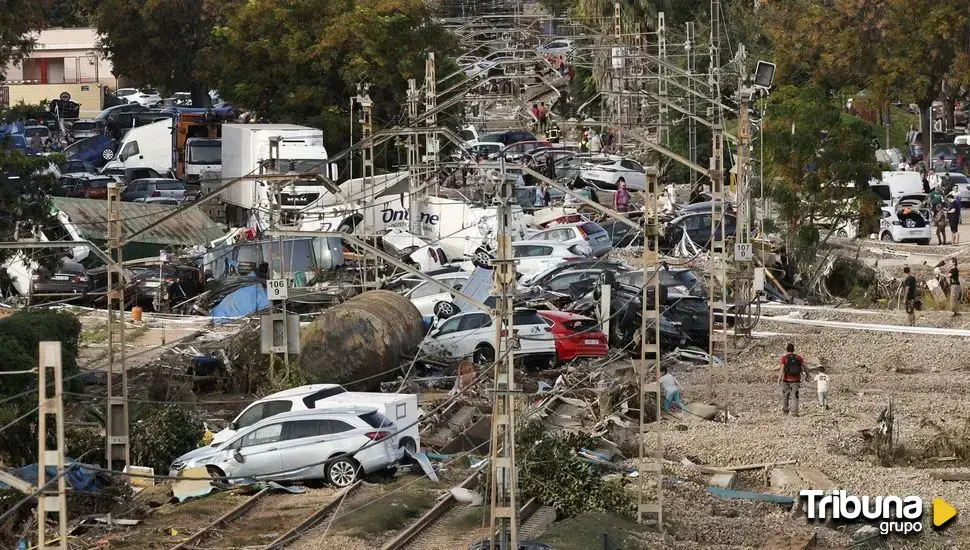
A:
[(276, 289), (743, 252)]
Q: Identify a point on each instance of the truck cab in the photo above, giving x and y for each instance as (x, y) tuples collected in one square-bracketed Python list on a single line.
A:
[(203, 159)]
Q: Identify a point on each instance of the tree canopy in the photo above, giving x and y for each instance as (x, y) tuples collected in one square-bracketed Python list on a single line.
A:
[(818, 160), (299, 61)]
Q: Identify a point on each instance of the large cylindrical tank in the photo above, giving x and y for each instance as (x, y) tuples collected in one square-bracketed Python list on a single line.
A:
[(361, 338)]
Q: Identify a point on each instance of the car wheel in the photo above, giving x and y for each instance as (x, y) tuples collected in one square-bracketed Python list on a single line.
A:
[(444, 310), (482, 259), (107, 154), (484, 354), (409, 444), (886, 237), (342, 472)]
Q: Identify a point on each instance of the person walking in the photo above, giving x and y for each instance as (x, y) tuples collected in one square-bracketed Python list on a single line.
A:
[(953, 215), (956, 293), (671, 389), (909, 286), (822, 388), (939, 221), (621, 199), (790, 379), (540, 196)]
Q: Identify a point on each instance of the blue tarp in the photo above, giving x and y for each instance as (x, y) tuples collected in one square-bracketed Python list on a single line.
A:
[(78, 478), (240, 303)]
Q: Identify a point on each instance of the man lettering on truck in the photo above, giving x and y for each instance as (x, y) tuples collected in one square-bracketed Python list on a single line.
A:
[(790, 378)]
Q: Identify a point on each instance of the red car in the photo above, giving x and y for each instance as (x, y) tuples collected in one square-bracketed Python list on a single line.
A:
[(576, 336)]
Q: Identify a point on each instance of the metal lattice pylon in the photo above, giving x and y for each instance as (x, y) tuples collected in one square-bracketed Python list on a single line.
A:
[(650, 437), (116, 418), (50, 500)]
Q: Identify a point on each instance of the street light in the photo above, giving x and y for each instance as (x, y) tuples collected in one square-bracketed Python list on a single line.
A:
[(764, 75)]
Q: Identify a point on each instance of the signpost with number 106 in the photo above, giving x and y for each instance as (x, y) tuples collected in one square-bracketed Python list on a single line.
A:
[(276, 289)]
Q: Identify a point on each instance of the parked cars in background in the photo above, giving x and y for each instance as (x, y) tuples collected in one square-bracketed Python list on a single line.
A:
[(519, 149), (678, 280), (153, 187), (96, 150), (916, 144), (588, 234), (147, 97), (68, 278), (85, 185), (472, 334), (81, 129), (334, 443), (604, 171), (535, 256), (509, 137), (76, 166), (181, 282), (575, 335), (698, 226), (543, 278), (557, 47), (124, 176), (417, 251)]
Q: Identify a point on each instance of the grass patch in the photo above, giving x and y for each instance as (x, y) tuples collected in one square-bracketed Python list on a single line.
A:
[(586, 531), (388, 514), (95, 335)]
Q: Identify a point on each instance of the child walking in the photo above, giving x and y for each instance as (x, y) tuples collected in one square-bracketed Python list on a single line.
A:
[(671, 389), (822, 386)]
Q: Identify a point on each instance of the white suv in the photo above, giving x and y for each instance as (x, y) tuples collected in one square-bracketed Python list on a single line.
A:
[(426, 296), (401, 408), (472, 334), (336, 444)]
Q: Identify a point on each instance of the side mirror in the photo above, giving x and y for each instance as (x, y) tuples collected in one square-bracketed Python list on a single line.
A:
[(434, 332), (232, 426), (238, 456)]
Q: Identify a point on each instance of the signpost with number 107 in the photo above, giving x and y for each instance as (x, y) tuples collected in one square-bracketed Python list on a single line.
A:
[(276, 289), (743, 252)]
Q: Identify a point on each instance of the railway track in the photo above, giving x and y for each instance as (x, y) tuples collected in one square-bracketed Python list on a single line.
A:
[(446, 526)]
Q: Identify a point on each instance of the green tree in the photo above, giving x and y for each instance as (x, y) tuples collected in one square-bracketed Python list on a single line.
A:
[(157, 42), (300, 61), (58, 13), (18, 19), (896, 49), (819, 161)]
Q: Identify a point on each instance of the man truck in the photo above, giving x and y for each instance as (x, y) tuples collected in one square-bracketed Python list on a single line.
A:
[(256, 149)]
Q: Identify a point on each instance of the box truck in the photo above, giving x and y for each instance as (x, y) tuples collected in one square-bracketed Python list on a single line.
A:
[(253, 149)]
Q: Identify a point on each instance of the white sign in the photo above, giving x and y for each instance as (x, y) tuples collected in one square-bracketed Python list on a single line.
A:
[(743, 252), (276, 289), (759, 279)]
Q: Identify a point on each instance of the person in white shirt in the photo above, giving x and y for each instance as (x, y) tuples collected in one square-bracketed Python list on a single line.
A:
[(671, 389), (822, 386)]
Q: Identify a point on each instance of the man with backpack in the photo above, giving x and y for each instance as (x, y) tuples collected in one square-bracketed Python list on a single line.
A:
[(790, 378)]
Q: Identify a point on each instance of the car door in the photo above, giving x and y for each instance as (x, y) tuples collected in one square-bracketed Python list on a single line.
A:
[(304, 443), (535, 336), (260, 451), (443, 341), (474, 329)]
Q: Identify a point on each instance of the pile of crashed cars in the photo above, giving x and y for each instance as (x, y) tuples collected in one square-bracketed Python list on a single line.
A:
[(562, 266)]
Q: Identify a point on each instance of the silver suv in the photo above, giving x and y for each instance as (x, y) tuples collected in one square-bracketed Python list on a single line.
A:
[(334, 443)]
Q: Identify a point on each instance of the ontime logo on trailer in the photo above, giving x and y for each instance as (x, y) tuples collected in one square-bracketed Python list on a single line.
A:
[(899, 515)]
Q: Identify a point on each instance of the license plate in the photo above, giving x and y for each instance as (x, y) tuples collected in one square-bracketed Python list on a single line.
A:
[(59, 278), (591, 342), (915, 232), (152, 284)]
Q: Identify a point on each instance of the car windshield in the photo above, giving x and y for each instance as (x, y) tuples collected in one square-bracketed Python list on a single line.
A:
[(205, 152), (947, 149), (169, 185), (98, 183)]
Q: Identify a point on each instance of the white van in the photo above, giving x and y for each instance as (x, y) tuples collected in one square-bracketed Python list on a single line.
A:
[(902, 183), (401, 408), (148, 146)]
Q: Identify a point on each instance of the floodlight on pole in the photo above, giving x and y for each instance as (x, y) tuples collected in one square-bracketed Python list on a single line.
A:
[(764, 75)]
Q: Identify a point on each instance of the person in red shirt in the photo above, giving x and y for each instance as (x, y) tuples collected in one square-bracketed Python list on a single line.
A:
[(790, 378)]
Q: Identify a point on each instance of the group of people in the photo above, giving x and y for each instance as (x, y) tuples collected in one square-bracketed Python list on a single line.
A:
[(541, 113), (592, 142), (561, 67), (952, 289)]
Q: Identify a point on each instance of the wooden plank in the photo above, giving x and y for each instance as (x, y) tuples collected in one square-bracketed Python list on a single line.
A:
[(724, 480), (758, 466), (815, 479), (944, 475), (784, 479)]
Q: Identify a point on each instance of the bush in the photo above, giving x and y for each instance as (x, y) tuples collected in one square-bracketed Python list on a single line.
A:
[(550, 471), (20, 337), (160, 434)]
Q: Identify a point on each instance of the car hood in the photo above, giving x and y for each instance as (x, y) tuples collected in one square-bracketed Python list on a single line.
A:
[(197, 455)]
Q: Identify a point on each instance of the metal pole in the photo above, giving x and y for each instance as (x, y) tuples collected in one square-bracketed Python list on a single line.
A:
[(116, 417), (504, 509), (48, 500)]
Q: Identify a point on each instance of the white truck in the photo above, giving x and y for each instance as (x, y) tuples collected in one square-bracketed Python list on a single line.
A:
[(203, 160), (253, 149)]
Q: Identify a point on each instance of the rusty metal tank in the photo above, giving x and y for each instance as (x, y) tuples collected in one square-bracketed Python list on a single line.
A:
[(361, 338)]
